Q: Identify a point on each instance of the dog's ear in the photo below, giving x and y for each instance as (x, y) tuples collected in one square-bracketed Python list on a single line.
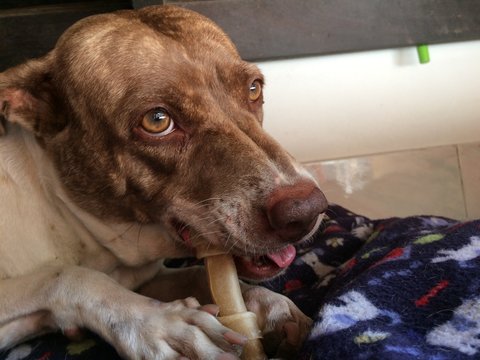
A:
[(28, 98)]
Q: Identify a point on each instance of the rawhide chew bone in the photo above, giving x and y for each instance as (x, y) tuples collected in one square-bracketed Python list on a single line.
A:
[(226, 293)]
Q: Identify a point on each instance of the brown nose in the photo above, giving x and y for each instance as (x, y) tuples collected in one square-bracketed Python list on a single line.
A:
[(292, 211)]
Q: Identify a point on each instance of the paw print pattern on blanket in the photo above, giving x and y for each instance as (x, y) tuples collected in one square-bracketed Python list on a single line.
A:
[(353, 307), (312, 260), (465, 253), (462, 332)]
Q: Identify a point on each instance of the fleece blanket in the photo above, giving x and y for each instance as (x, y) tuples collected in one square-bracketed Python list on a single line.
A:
[(399, 288)]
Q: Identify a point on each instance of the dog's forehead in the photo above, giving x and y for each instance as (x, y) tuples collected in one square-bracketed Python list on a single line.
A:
[(186, 26), (130, 48), (142, 38)]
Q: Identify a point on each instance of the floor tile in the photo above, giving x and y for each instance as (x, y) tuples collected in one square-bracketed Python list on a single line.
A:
[(396, 184), (469, 155)]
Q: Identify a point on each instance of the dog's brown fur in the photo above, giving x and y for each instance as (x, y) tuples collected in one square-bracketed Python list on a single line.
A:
[(218, 172)]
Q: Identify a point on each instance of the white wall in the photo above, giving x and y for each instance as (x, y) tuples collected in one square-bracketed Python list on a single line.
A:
[(338, 106)]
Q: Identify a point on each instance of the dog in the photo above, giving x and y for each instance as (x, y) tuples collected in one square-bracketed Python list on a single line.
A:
[(139, 129)]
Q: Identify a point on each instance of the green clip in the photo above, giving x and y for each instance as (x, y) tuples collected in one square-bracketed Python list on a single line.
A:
[(423, 54)]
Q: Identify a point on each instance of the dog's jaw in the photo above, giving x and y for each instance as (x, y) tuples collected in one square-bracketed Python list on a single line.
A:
[(249, 266), (253, 262)]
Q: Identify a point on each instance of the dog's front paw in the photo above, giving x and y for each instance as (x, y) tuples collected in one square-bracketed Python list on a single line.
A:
[(283, 325), (176, 330)]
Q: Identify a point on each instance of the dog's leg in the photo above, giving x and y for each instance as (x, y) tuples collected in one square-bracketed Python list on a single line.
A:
[(282, 323), (137, 326), (24, 327)]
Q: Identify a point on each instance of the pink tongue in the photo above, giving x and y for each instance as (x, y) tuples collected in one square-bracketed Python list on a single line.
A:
[(284, 257)]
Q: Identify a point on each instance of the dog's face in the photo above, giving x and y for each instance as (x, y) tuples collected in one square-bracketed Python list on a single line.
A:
[(151, 116)]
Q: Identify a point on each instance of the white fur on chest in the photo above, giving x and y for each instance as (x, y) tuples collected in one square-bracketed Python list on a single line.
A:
[(34, 229)]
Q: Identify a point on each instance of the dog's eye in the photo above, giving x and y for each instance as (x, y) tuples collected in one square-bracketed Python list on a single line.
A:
[(158, 122), (255, 90)]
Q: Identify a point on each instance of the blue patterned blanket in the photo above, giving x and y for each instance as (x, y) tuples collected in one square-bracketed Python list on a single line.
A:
[(377, 289)]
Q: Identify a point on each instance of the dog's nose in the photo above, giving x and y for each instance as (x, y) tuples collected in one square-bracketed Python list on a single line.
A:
[(292, 211)]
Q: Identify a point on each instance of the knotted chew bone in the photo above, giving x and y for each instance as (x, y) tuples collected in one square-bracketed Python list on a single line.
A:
[(226, 293)]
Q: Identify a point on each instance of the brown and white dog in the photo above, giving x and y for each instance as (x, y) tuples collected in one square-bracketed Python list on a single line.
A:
[(137, 128)]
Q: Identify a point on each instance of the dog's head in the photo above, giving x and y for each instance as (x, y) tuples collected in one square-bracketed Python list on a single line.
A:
[(151, 116)]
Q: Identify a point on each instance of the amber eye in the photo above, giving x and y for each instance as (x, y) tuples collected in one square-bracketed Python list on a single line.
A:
[(158, 122), (255, 90)]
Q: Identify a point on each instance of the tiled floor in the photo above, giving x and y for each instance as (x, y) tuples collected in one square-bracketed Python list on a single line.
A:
[(470, 166), (439, 181)]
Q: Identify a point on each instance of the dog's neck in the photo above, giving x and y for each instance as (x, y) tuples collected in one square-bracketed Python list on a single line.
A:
[(29, 180)]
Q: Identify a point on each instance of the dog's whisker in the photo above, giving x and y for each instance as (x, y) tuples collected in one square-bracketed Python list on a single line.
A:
[(203, 234), (122, 234), (200, 222), (195, 223), (206, 201), (210, 214), (138, 236), (233, 243), (126, 230), (217, 220)]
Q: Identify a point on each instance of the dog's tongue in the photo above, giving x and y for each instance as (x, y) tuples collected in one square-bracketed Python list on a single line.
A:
[(284, 257), (263, 267)]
